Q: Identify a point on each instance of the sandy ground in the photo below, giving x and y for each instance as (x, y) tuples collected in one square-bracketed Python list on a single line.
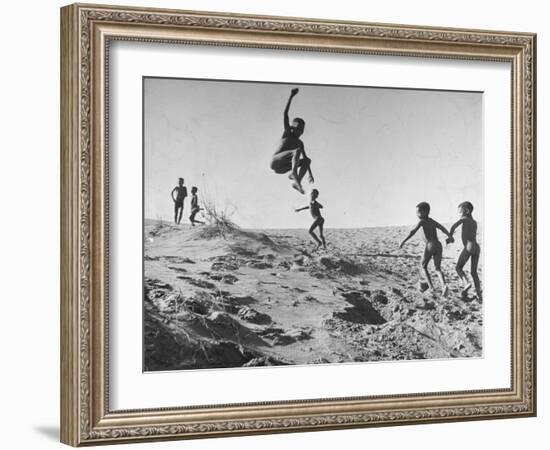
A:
[(269, 297)]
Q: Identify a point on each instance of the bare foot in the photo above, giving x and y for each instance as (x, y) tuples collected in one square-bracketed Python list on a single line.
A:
[(298, 187), (464, 291)]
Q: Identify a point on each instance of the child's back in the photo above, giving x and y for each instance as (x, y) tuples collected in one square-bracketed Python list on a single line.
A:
[(471, 249), (469, 231), (430, 229), (433, 248)]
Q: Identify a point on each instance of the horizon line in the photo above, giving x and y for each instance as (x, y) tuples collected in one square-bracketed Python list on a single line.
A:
[(304, 227)]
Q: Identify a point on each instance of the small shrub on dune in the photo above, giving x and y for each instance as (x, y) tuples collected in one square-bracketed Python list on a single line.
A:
[(218, 220)]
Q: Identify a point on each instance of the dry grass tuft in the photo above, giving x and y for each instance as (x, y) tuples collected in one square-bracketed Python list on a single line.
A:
[(218, 219)]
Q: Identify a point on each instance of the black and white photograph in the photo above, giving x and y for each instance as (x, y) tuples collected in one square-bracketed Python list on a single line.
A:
[(295, 224)]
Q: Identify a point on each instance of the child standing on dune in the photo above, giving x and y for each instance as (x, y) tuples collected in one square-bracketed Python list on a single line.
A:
[(195, 208), (433, 248), (181, 192), (318, 220), (471, 248)]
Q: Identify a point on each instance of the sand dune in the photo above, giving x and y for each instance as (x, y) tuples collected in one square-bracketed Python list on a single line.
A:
[(268, 297)]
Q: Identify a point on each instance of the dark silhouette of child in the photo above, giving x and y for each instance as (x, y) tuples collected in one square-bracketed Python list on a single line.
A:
[(290, 156), (318, 220), (433, 248), (471, 248), (195, 208), (181, 192)]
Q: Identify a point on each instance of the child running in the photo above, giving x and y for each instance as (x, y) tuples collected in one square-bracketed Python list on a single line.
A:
[(290, 155), (181, 192), (194, 206), (471, 248), (318, 221), (433, 248)]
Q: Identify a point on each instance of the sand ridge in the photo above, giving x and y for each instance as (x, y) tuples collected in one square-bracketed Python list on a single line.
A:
[(269, 297)]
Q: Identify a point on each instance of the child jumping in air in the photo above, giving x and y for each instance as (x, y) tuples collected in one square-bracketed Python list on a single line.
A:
[(318, 221), (433, 248), (471, 248), (194, 206), (290, 156), (181, 192)]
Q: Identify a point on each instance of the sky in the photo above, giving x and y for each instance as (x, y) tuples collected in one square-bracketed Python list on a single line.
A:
[(376, 152)]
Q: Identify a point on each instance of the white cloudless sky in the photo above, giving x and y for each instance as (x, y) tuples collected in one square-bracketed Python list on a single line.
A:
[(376, 152)]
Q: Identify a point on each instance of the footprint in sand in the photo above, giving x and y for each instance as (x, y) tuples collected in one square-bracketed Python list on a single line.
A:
[(259, 265), (177, 269), (198, 283), (251, 315)]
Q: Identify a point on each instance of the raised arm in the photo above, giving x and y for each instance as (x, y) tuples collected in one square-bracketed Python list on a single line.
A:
[(301, 209), (411, 234), (293, 92)]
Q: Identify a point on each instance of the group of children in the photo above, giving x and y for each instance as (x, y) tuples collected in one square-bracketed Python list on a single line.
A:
[(180, 192), (434, 249), (290, 157)]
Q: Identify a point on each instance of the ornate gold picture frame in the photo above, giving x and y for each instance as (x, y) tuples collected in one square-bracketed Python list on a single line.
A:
[(87, 32)]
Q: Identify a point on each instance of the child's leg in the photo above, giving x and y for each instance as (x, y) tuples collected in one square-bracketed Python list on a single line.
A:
[(473, 273), (180, 213), (437, 262), (300, 166), (176, 207), (303, 167), (424, 264), (321, 226), (462, 260), (282, 162), (295, 164), (313, 235), (192, 217)]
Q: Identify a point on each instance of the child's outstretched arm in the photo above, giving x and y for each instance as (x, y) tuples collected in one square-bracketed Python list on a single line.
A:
[(450, 238), (452, 230), (301, 209), (455, 226), (442, 228), (411, 234), (293, 92)]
